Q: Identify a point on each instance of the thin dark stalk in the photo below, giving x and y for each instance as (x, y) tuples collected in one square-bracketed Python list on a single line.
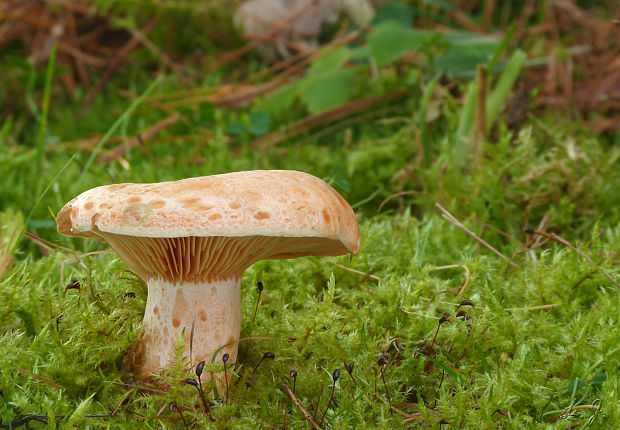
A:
[(193, 383), (383, 362), (441, 321), (293, 375), (260, 287), (269, 355), (174, 405), (225, 359), (335, 377)]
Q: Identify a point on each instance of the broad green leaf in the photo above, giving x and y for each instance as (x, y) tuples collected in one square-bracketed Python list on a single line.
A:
[(236, 128), (394, 11), (281, 100), (327, 90), (390, 40), (329, 61), (259, 123)]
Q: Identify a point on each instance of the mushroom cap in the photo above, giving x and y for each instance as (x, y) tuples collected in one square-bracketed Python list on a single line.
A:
[(302, 213), (252, 203)]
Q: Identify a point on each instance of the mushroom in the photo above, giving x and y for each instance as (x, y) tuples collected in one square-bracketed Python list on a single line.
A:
[(191, 240)]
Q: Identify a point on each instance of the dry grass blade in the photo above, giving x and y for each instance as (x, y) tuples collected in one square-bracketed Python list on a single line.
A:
[(302, 408), (409, 417), (359, 272), (445, 213), (558, 239)]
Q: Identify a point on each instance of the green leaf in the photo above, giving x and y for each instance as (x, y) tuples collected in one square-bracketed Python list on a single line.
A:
[(598, 381), (390, 40), (327, 90), (329, 61), (395, 11), (465, 51), (576, 384), (236, 128), (499, 95), (281, 100), (259, 123)]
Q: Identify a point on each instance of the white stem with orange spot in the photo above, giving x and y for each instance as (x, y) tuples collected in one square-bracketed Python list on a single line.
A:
[(213, 308)]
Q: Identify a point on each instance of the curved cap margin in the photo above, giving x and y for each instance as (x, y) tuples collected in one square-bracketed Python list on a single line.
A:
[(281, 203)]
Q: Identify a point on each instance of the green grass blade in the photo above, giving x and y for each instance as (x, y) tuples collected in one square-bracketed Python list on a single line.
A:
[(501, 48), (500, 94)]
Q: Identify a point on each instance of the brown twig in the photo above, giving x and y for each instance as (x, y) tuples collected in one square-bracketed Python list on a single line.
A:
[(40, 378), (302, 408), (306, 124)]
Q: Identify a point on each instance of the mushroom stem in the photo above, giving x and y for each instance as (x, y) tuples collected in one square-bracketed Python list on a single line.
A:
[(212, 308)]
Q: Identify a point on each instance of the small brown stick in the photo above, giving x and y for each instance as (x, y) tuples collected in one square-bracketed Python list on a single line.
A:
[(558, 239), (302, 408), (41, 378), (467, 276), (452, 219), (533, 308)]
